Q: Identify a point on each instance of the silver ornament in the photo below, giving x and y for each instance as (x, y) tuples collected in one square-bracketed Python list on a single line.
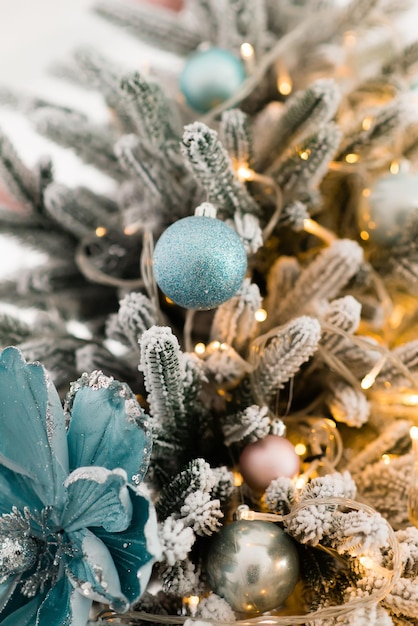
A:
[(253, 565)]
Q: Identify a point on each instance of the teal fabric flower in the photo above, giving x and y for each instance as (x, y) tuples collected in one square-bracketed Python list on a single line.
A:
[(73, 526)]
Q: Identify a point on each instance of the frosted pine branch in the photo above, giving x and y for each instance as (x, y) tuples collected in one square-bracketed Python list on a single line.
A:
[(201, 513), (281, 279), (304, 112), (213, 608), (247, 226), (147, 165), (394, 432), (234, 322), (212, 168), (385, 487), (407, 354), (294, 215), (150, 110), (383, 129), (224, 486), (403, 60), (160, 28), (160, 363), (98, 72), (247, 22), (63, 205), (246, 426), (176, 540), (181, 579), (136, 314), (235, 136), (19, 179), (347, 404), (280, 495), (356, 532), (336, 485), (343, 313), (92, 356), (323, 278), (13, 330), (91, 142), (58, 356), (194, 376), (281, 356), (197, 476), (294, 173)]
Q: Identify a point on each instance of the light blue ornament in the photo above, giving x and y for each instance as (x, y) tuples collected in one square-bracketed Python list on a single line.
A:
[(384, 209), (199, 262), (210, 77)]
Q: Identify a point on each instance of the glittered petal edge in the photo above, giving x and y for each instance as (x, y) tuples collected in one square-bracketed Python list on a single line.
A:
[(92, 572), (107, 426), (64, 606), (26, 417), (135, 550)]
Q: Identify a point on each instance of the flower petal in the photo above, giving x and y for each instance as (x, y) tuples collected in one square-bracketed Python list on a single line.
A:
[(91, 570), (6, 590), (25, 615), (31, 422), (16, 490), (135, 550), (97, 497), (108, 427), (64, 606)]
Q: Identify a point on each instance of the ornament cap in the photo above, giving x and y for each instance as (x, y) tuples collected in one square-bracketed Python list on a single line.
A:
[(206, 209)]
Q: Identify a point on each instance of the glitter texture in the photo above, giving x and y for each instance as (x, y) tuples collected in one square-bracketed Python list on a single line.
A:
[(199, 262)]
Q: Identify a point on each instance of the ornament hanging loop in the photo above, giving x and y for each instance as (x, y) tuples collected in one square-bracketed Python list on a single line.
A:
[(206, 209)]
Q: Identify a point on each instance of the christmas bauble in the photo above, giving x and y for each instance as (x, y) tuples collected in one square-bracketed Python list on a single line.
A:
[(385, 207), (210, 77), (266, 459), (253, 565), (199, 262)]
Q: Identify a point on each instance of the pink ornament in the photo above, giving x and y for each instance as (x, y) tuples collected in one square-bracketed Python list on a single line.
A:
[(267, 459)]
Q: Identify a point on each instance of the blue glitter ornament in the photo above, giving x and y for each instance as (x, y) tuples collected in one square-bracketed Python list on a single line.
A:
[(211, 77), (199, 262)]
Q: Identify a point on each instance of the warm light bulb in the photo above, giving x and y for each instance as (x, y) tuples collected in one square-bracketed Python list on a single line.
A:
[(414, 433), (367, 382), (352, 157), (260, 315), (386, 459), (367, 123), (244, 173), (101, 231), (305, 154), (238, 479), (364, 235), (284, 82), (300, 449), (394, 167), (129, 230), (200, 348), (300, 482), (247, 50)]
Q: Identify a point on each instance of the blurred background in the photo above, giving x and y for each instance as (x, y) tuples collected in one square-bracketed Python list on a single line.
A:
[(35, 35)]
